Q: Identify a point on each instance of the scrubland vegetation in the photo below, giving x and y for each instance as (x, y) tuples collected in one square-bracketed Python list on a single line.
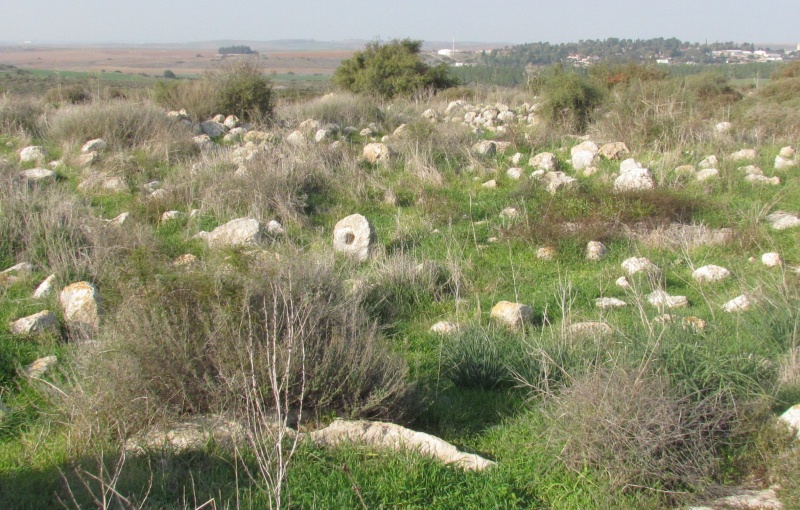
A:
[(279, 337)]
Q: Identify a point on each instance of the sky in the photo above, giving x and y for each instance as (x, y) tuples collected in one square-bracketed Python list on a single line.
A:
[(512, 21)]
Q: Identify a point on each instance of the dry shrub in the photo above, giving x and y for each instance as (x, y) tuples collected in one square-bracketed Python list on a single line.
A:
[(19, 114), (183, 346), (635, 428), (44, 226), (198, 97), (341, 108), (123, 125)]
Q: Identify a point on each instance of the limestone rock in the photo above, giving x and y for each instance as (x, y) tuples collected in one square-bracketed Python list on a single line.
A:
[(751, 170), (661, 299), (36, 323), (692, 323), (238, 232), (40, 366), (738, 304), (274, 228), (170, 215), (763, 179), (213, 128), (591, 329), (614, 150), (231, 122), (772, 259), (235, 135), (186, 260), (607, 303), (710, 273), (792, 419), (787, 152), (628, 165), (707, 174), (544, 161), (45, 288), (685, 170), (485, 148), (708, 162), (355, 237), (781, 220), (583, 159), (622, 282), (377, 153), (119, 220), (32, 153), (490, 184), (509, 213), (556, 181), (96, 145), (514, 173), (588, 146), (203, 142), (296, 138), (744, 154), (194, 433), (80, 304), (38, 175), (396, 438), (636, 265), (635, 180), (723, 127), (595, 250), (546, 253), (511, 314), (309, 126), (782, 163), (445, 328)]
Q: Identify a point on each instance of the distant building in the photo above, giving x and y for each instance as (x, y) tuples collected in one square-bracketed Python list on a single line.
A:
[(662, 61), (446, 52)]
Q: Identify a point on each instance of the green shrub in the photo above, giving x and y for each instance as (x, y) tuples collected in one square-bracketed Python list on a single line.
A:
[(198, 97), (570, 97), (390, 70), (245, 92), (19, 114), (69, 94), (168, 74)]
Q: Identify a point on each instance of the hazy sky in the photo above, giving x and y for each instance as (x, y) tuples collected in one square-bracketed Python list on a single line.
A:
[(516, 21)]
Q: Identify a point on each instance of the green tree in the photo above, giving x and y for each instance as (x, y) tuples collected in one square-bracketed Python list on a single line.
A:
[(245, 92), (391, 69)]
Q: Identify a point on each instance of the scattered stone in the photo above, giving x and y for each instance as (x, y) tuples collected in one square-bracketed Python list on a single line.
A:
[(38, 175), (745, 499), (96, 145), (635, 180), (515, 315), (586, 145), (546, 253), (490, 184), (185, 261), (88, 159), (635, 265), (608, 303), (192, 434), (485, 148), (781, 220), (445, 328), (707, 174), (274, 228), (792, 419), (355, 237), (691, 323), (723, 127), (557, 181), (751, 170), (661, 299), (622, 282), (685, 170), (595, 250), (170, 215), (21, 269), (80, 303), (738, 304), (44, 321), (296, 139), (258, 137), (396, 438), (516, 158), (614, 150), (708, 162), (744, 154), (231, 122), (120, 219), (377, 153), (509, 213), (583, 159), (39, 367), (629, 165), (771, 259), (782, 163), (213, 128), (32, 153), (235, 135), (203, 142), (787, 152), (238, 232), (710, 273), (762, 179), (514, 173), (592, 329), (45, 288), (544, 161)]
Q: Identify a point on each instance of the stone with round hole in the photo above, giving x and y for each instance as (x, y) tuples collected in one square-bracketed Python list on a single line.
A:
[(355, 237)]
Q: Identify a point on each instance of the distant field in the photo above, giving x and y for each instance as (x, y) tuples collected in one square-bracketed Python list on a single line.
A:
[(153, 62)]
